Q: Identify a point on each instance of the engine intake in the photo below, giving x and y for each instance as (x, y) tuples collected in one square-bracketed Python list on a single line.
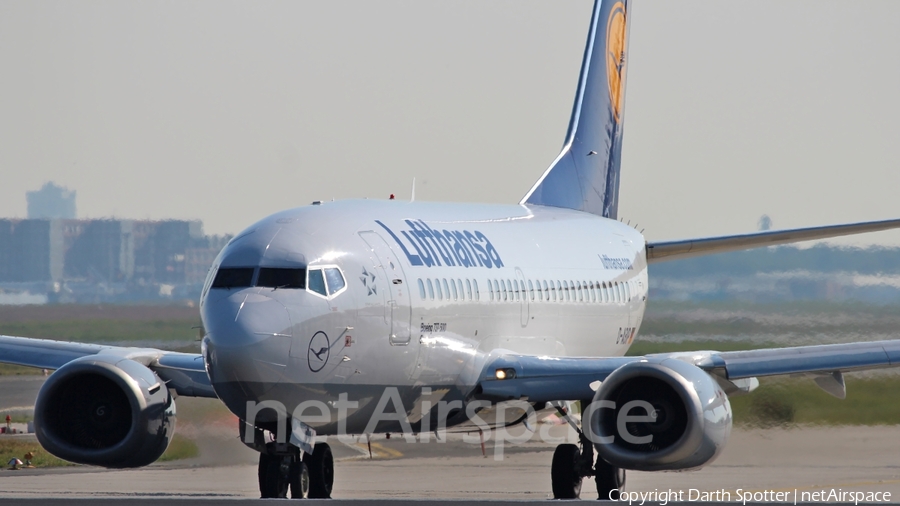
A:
[(659, 415), (106, 411)]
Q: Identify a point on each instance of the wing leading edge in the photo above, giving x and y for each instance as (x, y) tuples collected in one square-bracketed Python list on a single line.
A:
[(676, 250), (185, 373), (545, 379)]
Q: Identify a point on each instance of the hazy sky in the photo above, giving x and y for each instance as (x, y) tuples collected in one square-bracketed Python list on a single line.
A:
[(229, 111)]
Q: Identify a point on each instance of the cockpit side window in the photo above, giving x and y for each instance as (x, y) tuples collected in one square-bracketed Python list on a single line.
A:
[(317, 282), (281, 278), (326, 280), (233, 277), (210, 276), (335, 280)]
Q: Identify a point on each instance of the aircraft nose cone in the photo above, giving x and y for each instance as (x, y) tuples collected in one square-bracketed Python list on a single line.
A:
[(248, 339)]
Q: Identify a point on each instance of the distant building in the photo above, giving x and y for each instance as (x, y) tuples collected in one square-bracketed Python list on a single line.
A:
[(104, 260), (30, 250), (105, 251), (51, 201)]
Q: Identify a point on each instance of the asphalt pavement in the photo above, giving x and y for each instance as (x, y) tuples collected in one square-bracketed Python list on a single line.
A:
[(797, 462)]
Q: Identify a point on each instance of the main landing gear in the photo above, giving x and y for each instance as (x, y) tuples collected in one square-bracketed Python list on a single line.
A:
[(311, 476), (572, 463)]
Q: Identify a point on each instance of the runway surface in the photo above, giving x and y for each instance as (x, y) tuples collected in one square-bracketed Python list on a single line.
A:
[(864, 459)]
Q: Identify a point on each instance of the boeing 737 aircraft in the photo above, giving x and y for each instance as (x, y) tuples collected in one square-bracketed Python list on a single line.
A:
[(367, 316)]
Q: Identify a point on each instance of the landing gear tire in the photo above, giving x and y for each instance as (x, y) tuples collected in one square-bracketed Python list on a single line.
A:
[(321, 471), (564, 474), (298, 475), (610, 480), (273, 476)]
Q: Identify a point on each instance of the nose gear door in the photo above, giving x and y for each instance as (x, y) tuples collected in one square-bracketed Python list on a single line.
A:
[(396, 290)]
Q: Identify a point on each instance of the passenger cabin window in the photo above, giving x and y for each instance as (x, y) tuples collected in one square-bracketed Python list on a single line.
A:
[(233, 277), (421, 289), (272, 277), (475, 286), (437, 286), (469, 288), (430, 290), (316, 282)]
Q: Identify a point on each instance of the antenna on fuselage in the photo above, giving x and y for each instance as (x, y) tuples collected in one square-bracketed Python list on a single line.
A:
[(412, 193)]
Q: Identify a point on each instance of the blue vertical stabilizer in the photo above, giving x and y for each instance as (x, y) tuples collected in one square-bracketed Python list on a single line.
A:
[(585, 175)]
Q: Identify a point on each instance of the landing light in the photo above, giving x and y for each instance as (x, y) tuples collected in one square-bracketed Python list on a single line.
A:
[(502, 374)]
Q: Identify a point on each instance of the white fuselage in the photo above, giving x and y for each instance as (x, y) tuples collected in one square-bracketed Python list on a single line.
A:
[(426, 294)]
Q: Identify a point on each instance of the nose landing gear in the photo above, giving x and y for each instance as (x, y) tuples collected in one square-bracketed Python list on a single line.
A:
[(321, 471), (311, 476), (283, 466), (278, 473)]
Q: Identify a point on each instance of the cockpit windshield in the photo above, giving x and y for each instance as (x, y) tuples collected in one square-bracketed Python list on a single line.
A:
[(326, 281), (281, 278), (233, 277)]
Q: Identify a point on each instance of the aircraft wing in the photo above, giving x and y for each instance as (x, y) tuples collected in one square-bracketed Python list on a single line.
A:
[(185, 373), (675, 250), (544, 379)]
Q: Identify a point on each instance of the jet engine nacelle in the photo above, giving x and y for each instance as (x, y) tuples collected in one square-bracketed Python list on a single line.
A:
[(659, 416), (105, 411)]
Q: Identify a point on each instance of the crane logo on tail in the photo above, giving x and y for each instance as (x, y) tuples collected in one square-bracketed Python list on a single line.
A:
[(615, 56)]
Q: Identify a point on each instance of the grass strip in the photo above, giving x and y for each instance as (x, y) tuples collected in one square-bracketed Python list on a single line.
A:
[(16, 447)]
